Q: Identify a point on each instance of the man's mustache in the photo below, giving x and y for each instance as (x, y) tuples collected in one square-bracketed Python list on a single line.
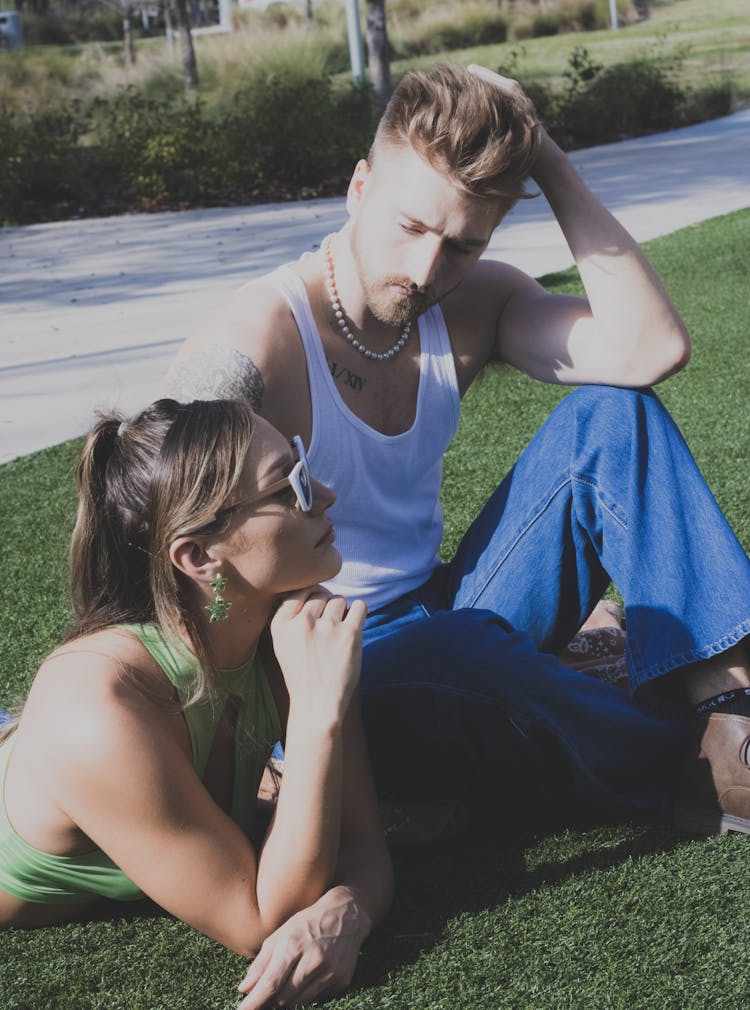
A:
[(414, 289)]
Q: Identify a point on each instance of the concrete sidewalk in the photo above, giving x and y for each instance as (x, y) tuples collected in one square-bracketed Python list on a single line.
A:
[(93, 310)]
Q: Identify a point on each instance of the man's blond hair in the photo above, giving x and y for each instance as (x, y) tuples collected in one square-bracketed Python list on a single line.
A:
[(483, 139)]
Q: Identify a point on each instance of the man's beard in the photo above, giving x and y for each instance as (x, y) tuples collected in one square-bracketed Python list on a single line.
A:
[(383, 299), (390, 306)]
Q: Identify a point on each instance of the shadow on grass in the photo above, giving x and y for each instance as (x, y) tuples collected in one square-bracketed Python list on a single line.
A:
[(486, 866)]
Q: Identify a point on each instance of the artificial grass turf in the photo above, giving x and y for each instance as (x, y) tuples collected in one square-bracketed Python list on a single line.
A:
[(591, 916)]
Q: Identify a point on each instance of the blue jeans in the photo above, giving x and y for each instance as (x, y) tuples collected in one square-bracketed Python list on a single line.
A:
[(460, 683)]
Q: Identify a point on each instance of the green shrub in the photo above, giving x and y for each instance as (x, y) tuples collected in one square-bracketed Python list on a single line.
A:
[(356, 110), (581, 70), (45, 30), (182, 163), (588, 18), (297, 133), (276, 17), (639, 96), (450, 32), (570, 16), (295, 54), (281, 15), (67, 26), (622, 101), (31, 80), (405, 10), (155, 152), (709, 101), (42, 163), (278, 136), (276, 128), (545, 23)]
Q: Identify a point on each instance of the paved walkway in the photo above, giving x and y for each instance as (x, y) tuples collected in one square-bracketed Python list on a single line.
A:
[(93, 310)]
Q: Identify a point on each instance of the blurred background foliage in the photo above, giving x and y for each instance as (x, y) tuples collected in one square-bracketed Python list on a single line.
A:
[(276, 115)]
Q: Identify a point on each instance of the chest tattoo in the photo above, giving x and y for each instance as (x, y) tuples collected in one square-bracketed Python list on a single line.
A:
[(345, 376)]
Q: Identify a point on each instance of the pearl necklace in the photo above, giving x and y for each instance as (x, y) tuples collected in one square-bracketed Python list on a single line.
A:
[(333, 297)]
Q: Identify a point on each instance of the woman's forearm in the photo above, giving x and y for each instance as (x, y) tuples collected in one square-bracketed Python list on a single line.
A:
[(298, 859), (365, 874)]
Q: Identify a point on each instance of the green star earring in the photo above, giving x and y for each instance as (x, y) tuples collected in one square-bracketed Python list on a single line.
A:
[(219, 609)]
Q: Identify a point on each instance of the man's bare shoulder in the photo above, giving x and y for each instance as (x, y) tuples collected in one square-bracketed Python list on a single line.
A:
[(231, 354)]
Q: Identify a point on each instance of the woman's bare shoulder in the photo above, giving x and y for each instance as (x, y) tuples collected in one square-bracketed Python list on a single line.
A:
[(108, 668), (99, 709), (110, 648)]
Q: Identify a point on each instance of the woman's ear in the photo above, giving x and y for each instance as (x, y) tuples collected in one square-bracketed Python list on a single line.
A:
[(190, 557)]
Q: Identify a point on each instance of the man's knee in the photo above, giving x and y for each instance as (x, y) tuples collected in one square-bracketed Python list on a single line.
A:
[(620, 420), (614, 400)]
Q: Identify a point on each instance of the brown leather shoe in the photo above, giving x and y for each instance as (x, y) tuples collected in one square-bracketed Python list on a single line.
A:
[(714, 795)]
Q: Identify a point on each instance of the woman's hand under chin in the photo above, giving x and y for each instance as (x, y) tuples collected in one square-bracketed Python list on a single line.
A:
[(317, 640)]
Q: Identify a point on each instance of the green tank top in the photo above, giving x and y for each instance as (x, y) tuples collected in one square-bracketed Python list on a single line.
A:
[(31, 875)]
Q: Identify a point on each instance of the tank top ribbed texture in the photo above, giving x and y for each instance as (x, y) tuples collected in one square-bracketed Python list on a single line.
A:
[(388, 518)]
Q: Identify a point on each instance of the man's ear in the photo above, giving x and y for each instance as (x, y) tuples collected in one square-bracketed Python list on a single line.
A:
[(190, 557), (361, 173)]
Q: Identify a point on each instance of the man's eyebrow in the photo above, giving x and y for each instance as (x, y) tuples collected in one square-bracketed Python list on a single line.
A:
[(457, 239)]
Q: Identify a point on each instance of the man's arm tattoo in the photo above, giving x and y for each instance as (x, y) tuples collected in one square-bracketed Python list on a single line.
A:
[(217, 373)]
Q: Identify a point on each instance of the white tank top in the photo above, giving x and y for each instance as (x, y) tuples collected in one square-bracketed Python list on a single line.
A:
[(388, 518)]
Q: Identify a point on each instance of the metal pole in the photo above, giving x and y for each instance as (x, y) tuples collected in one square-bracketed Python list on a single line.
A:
[(225, 14), (613, 13), (354, 30)]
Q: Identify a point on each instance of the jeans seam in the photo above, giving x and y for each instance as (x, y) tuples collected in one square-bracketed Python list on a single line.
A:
[(607, 504), (521, 533)]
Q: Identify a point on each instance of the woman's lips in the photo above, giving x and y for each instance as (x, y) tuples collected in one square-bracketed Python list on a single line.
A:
[(328, 537)]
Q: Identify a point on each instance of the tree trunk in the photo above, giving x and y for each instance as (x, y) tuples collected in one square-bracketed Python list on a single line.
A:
[(181, 18), (378, 50), (128, 47), (168, 28), (308, 10)]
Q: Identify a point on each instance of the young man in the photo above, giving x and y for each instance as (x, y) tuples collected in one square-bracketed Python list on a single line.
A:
[(365, 349)]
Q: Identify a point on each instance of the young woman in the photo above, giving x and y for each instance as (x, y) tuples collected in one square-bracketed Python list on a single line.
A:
[(201, 637)]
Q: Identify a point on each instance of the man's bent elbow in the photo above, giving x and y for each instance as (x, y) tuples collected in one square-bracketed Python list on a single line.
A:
[(678, 351), (666, 356)]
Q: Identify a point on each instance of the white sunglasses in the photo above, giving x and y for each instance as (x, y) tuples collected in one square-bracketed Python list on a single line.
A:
[(298, 477)]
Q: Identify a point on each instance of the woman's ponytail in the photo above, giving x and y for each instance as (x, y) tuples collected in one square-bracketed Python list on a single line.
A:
[(143, 483), (109, 560)]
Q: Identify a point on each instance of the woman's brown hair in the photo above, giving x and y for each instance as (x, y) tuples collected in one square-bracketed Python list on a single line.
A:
[(142, 483)]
